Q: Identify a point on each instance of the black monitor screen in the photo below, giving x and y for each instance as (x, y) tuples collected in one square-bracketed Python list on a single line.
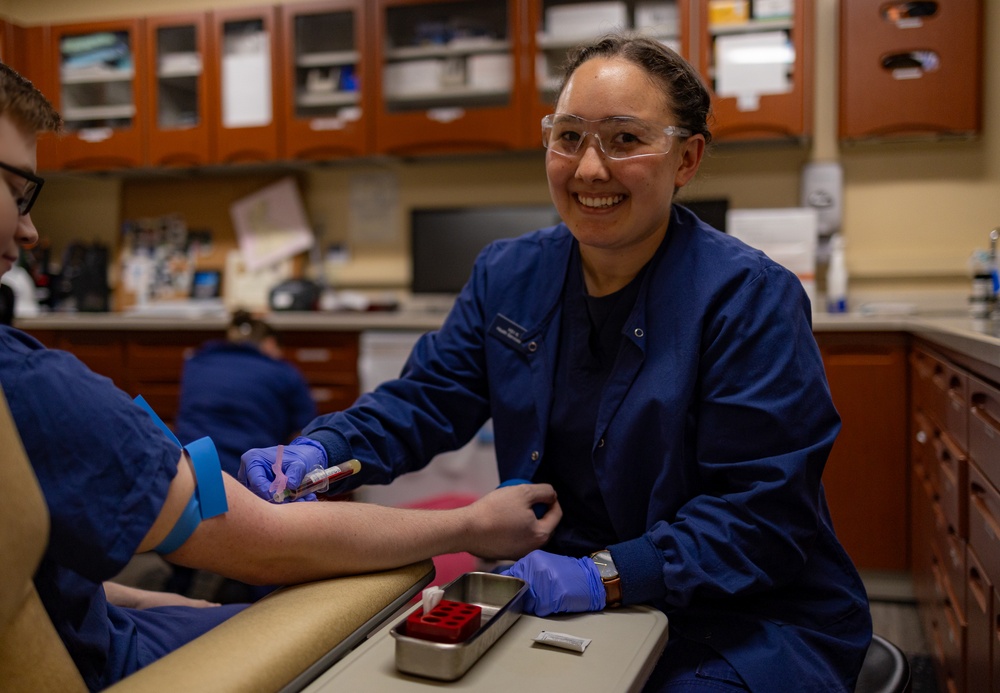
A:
[(444, 243)]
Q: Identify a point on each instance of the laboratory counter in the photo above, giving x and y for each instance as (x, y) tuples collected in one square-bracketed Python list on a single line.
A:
[(974, 338)]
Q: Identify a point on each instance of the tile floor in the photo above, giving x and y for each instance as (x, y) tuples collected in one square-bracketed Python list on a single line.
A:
[(894, 617)]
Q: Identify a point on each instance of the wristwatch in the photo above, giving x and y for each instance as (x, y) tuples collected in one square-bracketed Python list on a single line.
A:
[(609, 576)]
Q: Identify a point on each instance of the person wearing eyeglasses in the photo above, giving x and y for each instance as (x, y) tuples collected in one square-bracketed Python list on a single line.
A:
[(116, 484), (662, 376)]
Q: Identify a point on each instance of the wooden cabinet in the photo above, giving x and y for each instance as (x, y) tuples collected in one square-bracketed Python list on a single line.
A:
[(760, 69), (99, 77), (910, 68), (246, 57), (155, 361), (956, 565), (554, 27), (149, 362), (329, 362), (181, 91), (326, 106), (867, 475), (446, 76)]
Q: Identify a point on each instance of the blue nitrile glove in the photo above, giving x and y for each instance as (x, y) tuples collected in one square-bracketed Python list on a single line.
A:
[(301, 456), (559, 584)]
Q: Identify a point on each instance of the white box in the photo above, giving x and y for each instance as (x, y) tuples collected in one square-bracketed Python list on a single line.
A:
[(413, 77), (585, 20), (772, 9), (657, 18), (787, 235), (489, 71)]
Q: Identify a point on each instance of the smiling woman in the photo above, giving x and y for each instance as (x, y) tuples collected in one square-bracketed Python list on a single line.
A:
[(645, 365)]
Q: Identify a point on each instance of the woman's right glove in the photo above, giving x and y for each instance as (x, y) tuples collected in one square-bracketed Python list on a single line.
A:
[(300, 457), (559, 584)]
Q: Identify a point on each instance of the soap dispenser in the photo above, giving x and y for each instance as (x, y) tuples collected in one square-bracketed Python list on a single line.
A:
[(836, 277)]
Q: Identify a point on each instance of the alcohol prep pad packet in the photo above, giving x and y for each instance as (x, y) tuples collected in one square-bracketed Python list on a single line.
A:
[(562, 640)]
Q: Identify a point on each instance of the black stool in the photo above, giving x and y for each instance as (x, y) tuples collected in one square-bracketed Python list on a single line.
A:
[(886, 669)]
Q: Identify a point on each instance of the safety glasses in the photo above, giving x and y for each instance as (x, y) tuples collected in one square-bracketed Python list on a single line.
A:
[(618, 137)]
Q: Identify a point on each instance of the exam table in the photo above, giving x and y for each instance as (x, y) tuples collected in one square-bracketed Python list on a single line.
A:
[(280, 643)]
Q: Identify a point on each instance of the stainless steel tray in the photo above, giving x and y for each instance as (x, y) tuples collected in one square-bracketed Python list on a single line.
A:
[(499, 596)]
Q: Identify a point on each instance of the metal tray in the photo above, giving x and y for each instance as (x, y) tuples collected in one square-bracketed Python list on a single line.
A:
[(499, 596)]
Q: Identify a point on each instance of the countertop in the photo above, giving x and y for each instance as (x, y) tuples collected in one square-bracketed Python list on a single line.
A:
[(974, 338)]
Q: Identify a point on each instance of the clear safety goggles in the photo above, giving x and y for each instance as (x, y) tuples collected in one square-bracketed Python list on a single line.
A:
[(619, 137)]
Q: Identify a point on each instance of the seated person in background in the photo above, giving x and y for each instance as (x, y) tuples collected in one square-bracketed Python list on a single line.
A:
[(241, 394), (115, 484)]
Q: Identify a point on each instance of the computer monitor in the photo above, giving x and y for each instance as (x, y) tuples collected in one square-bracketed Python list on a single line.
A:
[(444, 242), (712, 211)]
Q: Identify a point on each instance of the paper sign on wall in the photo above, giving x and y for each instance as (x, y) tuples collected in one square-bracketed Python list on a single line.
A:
[(271, 225)]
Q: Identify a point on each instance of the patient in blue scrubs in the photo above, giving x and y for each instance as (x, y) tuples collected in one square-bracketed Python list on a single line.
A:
[(116, 484)]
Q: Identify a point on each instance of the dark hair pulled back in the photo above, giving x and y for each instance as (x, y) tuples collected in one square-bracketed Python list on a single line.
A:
[(682, 86)]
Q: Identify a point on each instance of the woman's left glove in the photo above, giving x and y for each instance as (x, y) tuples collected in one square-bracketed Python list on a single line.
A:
[(300, 457), (559, 584)]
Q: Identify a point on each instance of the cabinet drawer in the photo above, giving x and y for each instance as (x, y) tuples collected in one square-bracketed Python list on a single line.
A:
[(330, 398), (948, 637), (325, 358), (995, 643), (159, 357), (102, 352), (952, 472), (922, 445), (979, 615), (984, 523), (921, 370), (984, 428), (947, 402), (922, 533)]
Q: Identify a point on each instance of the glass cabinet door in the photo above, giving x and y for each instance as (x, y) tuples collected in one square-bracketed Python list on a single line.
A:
[(447, 77), (757, 59), (324, 74), (244, 72), (178, 97), (559, 25), (100, 94)]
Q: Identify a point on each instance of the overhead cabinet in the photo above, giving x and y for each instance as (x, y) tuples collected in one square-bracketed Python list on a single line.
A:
[(326, 79), (757, 60), (910, 68), (446, 77), (181, 89), (246, 58), (326, 106), (554, 27), (99, 90)]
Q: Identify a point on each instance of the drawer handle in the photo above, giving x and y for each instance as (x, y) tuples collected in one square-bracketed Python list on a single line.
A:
[(991, 525), (317, 355), (980, 412), (978, 588), (922, 437)]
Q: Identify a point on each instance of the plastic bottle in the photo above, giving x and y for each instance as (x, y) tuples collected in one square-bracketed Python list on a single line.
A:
[(836, 277)]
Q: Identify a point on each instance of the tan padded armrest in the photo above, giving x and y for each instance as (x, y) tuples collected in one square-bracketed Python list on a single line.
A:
[(269, 644)]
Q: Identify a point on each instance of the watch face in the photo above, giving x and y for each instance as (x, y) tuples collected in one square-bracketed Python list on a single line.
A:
[(605, 566)]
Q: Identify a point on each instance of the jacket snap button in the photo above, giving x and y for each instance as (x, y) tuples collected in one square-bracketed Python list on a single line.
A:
[(534, 456), (532, 346), (639, 332), (600, 443)]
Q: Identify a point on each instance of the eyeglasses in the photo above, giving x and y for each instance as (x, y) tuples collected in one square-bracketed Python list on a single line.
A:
[(619, 137), (29, 193)]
